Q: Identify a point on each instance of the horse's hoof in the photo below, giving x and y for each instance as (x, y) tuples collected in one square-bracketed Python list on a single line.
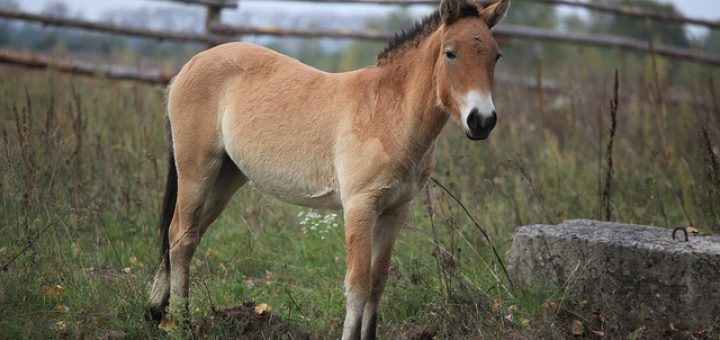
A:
[(154, 314)]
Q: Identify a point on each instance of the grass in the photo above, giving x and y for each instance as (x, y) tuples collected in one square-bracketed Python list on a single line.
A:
[(82, 170)]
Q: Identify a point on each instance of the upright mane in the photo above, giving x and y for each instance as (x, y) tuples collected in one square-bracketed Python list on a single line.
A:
[(411, 37)]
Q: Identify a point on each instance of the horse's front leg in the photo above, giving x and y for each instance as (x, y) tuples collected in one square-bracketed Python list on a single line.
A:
[(360, 216), (384, 235)]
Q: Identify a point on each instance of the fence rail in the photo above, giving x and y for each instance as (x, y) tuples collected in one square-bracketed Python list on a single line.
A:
[(623, 43), (633, 11), (185, 37), (210, 3), (37, 61), (589, 5)]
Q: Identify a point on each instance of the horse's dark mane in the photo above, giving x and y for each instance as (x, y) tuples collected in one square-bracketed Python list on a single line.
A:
[(412, 36)]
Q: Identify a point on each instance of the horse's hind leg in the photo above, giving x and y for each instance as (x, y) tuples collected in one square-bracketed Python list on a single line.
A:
[(202, 195), (228, 180)]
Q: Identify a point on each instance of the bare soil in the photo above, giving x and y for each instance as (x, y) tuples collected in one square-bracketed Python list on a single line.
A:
[(241, 322)]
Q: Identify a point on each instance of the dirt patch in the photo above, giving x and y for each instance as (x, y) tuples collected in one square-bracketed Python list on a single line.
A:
[(409, 331), (242, 322), (597, 325)]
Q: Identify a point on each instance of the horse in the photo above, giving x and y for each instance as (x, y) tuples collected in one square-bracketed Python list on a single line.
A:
[(362, 141)]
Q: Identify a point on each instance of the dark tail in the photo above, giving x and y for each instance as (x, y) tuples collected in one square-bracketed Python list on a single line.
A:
[(168, 207)]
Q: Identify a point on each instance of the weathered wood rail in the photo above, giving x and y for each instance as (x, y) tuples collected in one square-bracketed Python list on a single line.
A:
[(589, 5)]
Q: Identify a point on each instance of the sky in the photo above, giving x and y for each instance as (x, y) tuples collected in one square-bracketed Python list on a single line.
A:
[(706, 9)]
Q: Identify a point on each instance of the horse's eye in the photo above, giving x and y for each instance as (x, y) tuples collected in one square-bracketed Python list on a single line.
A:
[(450, 55)]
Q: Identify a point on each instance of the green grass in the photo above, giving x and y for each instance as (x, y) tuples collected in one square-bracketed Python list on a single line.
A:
[(83, 164)]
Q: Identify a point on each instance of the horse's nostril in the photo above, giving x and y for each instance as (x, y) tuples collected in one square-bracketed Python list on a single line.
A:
[(492, 120), (474, 119)]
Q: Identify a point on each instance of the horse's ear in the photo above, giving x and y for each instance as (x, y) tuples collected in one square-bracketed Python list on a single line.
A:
[(449, 10), (494, 13)]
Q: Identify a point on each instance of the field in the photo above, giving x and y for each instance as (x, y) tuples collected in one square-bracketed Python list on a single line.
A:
[(82, 170)]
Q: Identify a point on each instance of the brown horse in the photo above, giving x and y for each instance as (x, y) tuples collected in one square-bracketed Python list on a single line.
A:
[(362, 141)]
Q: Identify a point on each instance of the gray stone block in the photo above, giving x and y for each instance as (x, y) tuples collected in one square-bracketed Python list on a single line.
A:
[(639, 269)]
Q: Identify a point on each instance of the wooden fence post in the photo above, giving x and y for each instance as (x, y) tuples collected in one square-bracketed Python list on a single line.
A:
[(212, 18)]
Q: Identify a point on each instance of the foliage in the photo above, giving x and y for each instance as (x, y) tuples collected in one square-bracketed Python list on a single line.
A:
[(640, 28)]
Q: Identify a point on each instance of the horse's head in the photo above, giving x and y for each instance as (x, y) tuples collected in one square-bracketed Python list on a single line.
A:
[(466, 63)]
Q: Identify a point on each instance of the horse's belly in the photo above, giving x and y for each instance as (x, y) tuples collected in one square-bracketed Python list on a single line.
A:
[(321, 199), (317, 197), (306, 184)]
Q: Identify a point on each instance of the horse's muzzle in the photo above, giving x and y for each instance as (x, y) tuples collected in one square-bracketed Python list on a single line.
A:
[(479, 126)]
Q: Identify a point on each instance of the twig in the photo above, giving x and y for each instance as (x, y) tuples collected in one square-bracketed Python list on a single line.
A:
[(534, 191), (607, 191), (437, 252), (477, 225), (305, 318)]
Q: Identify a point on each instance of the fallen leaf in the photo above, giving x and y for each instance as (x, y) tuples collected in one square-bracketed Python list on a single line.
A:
[(691, 230), (496, 305), (166, 324), (59, 326), (509, 318), (209, 253), (262, 308), (600, 316), (54, 291), (525, 322), (3, 250), (127, 270), (549, 308), (512, 308), (599, 333), (62, 308), (671, 327), (577, 327)]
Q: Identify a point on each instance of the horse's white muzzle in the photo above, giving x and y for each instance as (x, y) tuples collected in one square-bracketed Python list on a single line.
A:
[(478, 115)]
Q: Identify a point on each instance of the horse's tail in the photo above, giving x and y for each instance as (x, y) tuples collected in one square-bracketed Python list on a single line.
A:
[(168, 206)]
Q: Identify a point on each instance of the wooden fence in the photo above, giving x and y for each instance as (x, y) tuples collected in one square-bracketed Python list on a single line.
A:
[(217, 33)]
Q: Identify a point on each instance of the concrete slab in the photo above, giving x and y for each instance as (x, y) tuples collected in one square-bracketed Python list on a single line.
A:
[(641, 269)]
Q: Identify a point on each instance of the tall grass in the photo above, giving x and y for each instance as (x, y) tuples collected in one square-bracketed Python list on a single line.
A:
[(81, 175)]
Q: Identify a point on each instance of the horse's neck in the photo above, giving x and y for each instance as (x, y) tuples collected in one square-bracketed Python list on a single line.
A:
[(414, 85)]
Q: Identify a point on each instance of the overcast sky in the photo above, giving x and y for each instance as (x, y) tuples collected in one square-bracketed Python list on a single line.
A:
[(706, 9)]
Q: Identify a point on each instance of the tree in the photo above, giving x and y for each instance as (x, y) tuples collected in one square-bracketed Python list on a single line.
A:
[(530, 14), (640, 28), (712, 42), (6, 27), (56, 9)]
